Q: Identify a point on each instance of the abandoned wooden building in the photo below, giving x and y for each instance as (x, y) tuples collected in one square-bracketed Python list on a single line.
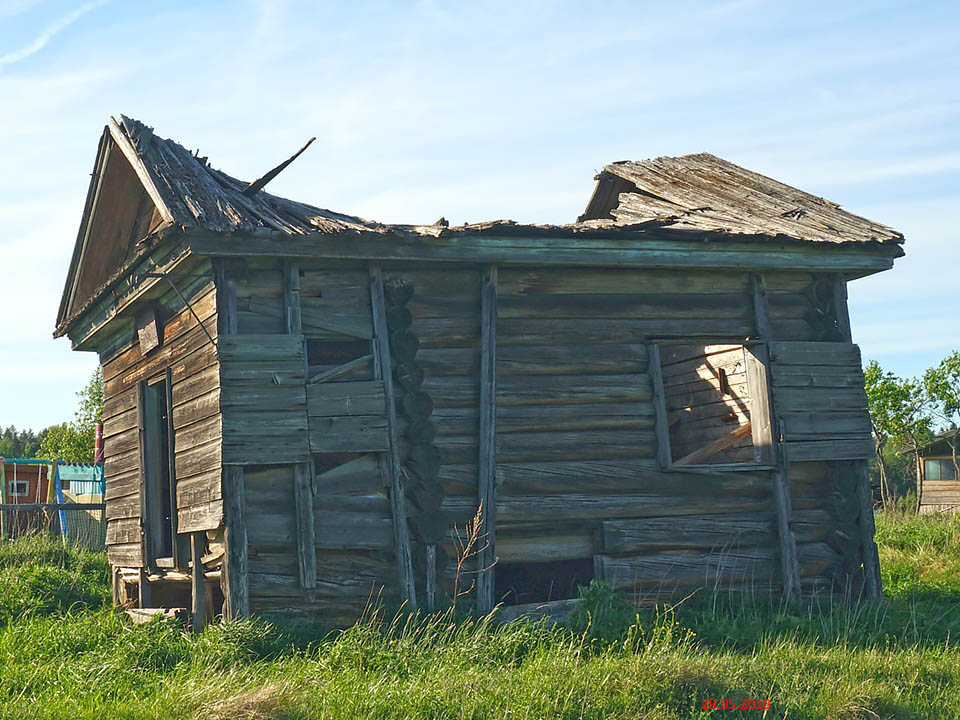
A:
[(303, 409), (940, 484)]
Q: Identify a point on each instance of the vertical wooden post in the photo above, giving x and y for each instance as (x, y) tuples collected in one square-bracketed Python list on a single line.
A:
[(143, 589), (302, 472), (306, 550), (661, 427), (488, 440), (115, 585), (868, 547), (291, 297), (789, 560), (390, 462), (233, 578), (200, 598), (236, 589), (431, 577)]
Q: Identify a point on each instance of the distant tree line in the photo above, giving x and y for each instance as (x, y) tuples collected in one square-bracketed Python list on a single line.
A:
[(906, 414), (72, 441)]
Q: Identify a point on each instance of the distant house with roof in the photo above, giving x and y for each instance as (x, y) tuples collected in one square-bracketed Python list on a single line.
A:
[(941, 484)]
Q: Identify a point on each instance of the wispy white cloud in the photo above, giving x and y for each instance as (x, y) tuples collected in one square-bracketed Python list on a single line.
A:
[(44, 37)]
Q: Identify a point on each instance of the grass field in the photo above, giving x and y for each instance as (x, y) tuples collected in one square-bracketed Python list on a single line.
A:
[(65, 654)]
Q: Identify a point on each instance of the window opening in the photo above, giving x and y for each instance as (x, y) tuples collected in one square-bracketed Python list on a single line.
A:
[(19, 488), (707, 393)]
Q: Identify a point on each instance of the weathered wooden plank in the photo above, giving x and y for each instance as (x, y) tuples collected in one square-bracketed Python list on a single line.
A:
[(804, 353), (612, 477), (353, 531), (526, 331), (547, 281), (544, 547), (199, 489), (123, 530), (761, 410), (743, 567), (491, 248), (576, 509), (235, 582), (781, 491), (626, 305), (830, 449), (729, 439), (383, 371), (803, 376), (488, 445), (819, 399), (539, 360), (208, 516), (198, 459), (662, 427), (346, 398), (125, 554), (703, 532), (201, 605), (361, 433), (812, 425), (358, 476), (306, 538), (543, 389)]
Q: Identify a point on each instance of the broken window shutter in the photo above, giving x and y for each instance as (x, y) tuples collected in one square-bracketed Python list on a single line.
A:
[(820, 400)]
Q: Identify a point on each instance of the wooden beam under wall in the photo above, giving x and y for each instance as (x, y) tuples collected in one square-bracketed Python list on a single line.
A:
[(487, 489), (789, 559), (868, 546), (390, 461), (200, 597), (234, 580)]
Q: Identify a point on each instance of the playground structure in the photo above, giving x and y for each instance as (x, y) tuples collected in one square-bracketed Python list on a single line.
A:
[(53, 496)]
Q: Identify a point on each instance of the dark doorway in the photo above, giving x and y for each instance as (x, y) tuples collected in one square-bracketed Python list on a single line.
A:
[(160, 500), (532, 582)]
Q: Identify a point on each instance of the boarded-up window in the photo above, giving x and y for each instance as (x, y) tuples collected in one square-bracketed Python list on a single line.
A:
[(820, 401)]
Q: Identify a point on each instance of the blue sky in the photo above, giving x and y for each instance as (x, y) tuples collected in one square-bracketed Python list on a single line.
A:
[(481, 110)]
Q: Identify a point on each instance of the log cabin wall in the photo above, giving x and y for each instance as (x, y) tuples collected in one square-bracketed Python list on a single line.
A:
[(190, 357), (305, 418), (580, 493)]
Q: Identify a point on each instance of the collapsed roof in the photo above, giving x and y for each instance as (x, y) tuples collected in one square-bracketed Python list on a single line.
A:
[(145, 187)]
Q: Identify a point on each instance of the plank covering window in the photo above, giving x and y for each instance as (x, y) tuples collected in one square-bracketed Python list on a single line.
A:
[(820, 402)]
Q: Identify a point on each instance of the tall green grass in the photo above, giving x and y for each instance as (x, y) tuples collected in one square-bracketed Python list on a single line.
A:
[(71, 656)]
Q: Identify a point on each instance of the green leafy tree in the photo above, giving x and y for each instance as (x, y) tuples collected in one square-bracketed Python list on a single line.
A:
[(941, 384), (898, 415), (74, 441)]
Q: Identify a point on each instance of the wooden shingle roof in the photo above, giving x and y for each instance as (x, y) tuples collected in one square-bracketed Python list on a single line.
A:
[(707, 193), (192, 194)]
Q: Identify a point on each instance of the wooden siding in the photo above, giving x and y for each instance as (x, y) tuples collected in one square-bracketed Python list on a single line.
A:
[(195, 389)]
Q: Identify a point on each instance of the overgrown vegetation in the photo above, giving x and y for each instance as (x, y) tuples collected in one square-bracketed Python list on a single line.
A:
[(64, 653)]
